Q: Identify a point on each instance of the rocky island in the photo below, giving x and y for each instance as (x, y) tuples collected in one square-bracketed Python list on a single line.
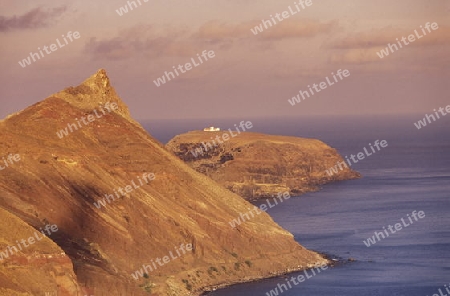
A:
[(178, 216)]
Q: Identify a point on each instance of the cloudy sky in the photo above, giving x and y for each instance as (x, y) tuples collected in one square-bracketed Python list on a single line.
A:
[(249, 75)]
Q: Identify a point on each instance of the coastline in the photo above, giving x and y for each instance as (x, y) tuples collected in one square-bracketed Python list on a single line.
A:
[(326, 261)]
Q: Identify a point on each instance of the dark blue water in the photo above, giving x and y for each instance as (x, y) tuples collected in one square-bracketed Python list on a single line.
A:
[(412, 173)]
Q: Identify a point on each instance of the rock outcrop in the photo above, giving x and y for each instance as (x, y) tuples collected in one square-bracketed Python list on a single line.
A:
[(58, 179), (256, 165)]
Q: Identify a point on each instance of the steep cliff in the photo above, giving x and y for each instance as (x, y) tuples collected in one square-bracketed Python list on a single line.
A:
[(61, 177), (257, 165)]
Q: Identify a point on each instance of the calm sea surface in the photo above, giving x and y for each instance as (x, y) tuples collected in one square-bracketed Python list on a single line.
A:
[(412, 173)]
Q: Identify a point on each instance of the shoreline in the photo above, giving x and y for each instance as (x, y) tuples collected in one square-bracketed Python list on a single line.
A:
[(330, 262)]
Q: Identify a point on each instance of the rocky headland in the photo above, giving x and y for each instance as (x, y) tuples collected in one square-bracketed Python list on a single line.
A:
[(257, 165)]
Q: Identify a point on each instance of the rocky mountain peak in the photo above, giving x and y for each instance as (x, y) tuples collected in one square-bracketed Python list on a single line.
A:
[(98, 80), (93, 93)]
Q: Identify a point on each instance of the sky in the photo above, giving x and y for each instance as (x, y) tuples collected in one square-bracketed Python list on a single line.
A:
[(250, 75)]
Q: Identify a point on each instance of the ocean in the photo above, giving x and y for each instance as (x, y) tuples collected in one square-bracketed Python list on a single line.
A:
[(411, 174)]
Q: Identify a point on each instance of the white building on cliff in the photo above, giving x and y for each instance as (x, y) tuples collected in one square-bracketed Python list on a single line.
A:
[(211, 129)]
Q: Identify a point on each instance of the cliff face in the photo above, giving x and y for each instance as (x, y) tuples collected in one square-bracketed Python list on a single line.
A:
[(256, 165), (40, 268), (59, 177)]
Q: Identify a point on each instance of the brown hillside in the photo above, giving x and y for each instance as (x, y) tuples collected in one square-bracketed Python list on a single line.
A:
[(58, 180), (256, 165), (44, 262)]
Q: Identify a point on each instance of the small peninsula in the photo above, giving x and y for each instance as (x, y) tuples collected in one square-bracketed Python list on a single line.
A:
[(256, 165)]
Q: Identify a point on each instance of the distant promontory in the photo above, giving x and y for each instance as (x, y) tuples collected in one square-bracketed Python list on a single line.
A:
[(256, 165)]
